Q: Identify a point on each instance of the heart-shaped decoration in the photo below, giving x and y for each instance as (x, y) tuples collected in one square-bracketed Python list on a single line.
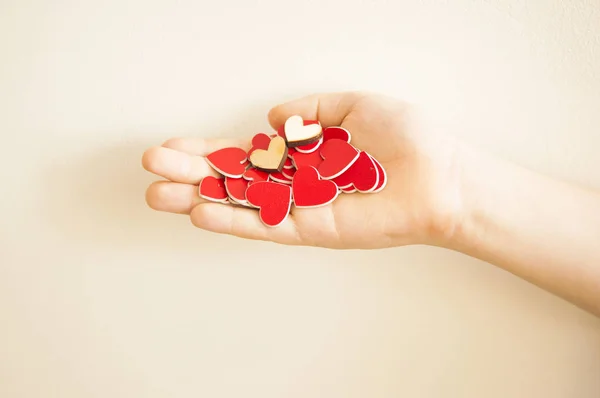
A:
[(271, 159), (362, 175), (213, 189), (230, 162), (288, 163), (289, 173), (309, 190), (382, 176), (236, 189), (310, 147), (280, 178), (273, 199), (336, 132), (337, 156), (297, 133), (307, 159), (254, 175), (259, 141)]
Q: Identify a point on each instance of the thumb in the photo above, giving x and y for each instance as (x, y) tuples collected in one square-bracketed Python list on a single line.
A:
[(328, 108)]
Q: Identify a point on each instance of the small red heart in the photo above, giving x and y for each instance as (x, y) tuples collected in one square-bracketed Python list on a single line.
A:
[(236, 189), (382, 176), (362, 175), (291, 152), (288, 164), (338, 156), (310, 191), (307, 159), (288, 173), (308, 148), (273, 199), (230, 162), (280, 178), (260, 141), (254, 175), (336, 132), (213, 189)]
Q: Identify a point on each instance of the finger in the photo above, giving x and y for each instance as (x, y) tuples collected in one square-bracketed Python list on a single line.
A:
[(328, 108), (173, 197), (243, 223), (176, 166), (204, 147)]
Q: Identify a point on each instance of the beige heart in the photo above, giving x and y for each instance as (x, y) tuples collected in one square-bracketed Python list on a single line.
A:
[(296, 133), (271, 159)]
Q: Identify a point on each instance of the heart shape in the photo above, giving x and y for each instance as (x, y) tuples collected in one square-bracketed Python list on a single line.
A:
[(236, 189), (230, 162), (259, 141), (362, 175), (273, 199), (271, 159), (254, 175), (213, 189), (298, 133), (288, 163), (382, 176), (280, 178), (309, 148), (289, 173), (309, 190), (307, 159), (337, 156), (336, 132)]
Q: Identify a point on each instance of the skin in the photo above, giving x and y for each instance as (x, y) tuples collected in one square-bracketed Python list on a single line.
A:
[(440, 192)]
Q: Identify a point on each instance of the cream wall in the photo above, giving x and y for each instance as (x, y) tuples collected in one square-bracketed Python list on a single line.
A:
[(102, 297)]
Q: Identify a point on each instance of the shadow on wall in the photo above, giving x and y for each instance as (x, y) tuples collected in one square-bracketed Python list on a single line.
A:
[(97, 196)]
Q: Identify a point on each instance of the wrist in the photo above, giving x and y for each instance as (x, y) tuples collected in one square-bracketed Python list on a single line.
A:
[(475, 176)]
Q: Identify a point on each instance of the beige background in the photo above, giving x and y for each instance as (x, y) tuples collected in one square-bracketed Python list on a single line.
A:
[(102, 297)]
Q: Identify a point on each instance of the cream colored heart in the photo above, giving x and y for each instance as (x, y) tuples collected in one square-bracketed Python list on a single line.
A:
[(297, 132), (272, 158)]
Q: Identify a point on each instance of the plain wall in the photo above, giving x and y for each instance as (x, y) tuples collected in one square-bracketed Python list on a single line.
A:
[(102, 297)]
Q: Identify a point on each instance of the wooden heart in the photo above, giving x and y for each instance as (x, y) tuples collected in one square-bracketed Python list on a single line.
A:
[(297, 133), (271, 159)]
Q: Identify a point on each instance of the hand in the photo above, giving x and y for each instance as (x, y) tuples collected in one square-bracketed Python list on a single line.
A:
[(420, 204)]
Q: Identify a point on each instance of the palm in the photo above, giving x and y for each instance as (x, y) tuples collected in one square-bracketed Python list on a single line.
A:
[(408, 210)]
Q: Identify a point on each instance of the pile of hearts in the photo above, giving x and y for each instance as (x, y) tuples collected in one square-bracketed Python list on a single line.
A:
[(303, 165)]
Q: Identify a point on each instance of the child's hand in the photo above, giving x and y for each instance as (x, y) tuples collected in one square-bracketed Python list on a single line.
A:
[(420, 203)]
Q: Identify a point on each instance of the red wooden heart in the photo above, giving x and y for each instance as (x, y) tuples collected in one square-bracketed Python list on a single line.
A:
[(338, 156), (236, 189), (254, 175), (273, 199), (307, 159), (291, 152), (350, 189), (288, 173), (362, 175), (288, 164), (280, 177), (230, 162), (260, 141), (336, 132), (213, 189), (381, 174), (310, 191)]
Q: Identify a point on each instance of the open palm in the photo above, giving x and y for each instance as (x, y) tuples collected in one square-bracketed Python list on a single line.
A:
[(417, 205)]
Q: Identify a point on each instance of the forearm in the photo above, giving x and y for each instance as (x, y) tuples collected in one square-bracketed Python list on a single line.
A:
[(545, 231)]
